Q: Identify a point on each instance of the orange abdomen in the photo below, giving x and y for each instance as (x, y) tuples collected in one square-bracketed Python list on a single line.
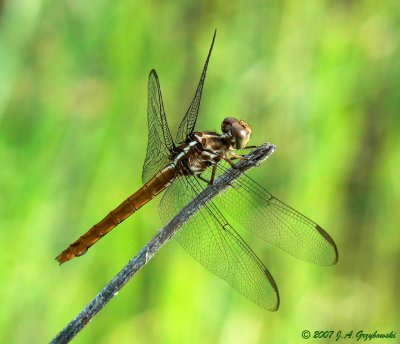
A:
[(152, 188)]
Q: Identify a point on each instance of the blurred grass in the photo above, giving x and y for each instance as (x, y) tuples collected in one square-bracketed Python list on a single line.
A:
[(318, 79)]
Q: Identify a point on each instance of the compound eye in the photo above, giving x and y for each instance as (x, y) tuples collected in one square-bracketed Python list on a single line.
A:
[(241, 135), (227, 124)]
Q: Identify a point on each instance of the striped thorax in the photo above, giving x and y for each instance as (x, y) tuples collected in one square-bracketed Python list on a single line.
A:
[(203, 149)]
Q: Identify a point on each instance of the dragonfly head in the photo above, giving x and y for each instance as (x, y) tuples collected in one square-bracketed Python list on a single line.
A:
[(238, 130)]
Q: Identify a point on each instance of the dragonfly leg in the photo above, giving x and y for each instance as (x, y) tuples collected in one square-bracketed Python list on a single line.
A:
[(203, 179), (229, 161), (237, 156), (214, 169), (240, 156), (211, 181)]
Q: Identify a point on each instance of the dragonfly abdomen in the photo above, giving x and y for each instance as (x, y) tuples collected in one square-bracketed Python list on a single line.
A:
[(134, 202)]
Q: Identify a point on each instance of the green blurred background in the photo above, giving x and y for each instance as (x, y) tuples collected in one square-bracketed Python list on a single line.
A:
[(320, 79)]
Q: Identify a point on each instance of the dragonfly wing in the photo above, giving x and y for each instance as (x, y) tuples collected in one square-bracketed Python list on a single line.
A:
[(212, 241), (275, 222), (188, 123), (159, 142)]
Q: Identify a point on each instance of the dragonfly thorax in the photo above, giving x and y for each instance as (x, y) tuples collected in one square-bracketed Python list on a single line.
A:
[(203, 149)]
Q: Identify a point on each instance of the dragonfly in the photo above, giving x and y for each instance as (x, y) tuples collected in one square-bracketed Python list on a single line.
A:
[(183, 168)]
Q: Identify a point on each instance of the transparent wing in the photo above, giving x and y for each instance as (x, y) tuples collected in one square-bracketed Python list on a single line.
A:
[(188, 123), (275, 222), (159, 142), (212, 241)]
